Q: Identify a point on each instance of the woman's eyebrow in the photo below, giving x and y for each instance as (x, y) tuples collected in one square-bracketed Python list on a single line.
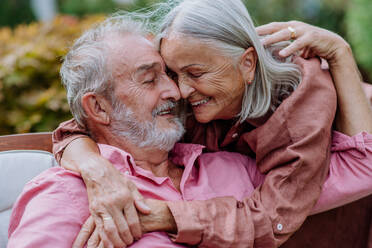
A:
[(187, 66)]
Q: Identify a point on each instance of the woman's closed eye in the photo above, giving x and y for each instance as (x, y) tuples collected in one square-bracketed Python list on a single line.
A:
[(150, 81), (195, 74)]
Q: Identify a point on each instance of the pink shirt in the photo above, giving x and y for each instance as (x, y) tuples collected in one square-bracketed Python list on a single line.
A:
[(54, 205)]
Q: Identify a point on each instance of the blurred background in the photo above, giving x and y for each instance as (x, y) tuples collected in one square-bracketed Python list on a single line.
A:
[(35, 35)]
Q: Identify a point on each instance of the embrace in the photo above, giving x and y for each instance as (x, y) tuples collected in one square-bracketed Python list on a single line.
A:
[(209, 133)]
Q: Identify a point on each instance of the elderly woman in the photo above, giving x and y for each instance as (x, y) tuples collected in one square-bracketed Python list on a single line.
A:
[(245, 98)]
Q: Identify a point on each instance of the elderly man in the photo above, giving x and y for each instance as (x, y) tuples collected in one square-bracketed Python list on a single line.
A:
[(131, 113)]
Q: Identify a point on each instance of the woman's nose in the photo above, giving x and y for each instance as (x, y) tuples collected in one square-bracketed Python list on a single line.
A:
[(185, 90), (170, 90)]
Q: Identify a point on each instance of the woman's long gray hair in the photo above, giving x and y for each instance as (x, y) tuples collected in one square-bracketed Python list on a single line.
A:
[(227, 25)]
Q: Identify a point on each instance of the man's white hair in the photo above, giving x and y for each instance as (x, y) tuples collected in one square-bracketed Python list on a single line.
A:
[(227, 26), (146, 133), (85, 67)]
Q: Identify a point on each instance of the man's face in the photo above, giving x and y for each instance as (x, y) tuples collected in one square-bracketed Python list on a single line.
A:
[(144, 95)]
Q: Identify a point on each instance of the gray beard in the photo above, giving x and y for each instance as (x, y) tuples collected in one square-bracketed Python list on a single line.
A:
[(144, 134)]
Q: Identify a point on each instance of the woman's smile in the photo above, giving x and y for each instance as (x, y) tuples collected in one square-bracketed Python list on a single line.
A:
[(208, 79)]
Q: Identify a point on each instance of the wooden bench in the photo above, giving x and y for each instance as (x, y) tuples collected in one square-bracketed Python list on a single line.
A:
[(29, 141)]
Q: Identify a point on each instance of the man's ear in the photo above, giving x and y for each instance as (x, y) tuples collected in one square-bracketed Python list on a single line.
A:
[(247, 64), (97, 108)]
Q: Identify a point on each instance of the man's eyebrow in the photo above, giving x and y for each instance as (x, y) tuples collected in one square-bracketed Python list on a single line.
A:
[(146, 67)]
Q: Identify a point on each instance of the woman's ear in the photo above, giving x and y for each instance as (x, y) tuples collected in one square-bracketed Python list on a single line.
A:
[(247, 64), (97, 108)]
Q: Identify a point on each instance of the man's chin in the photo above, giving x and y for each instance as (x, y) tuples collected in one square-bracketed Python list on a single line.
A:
[(169, 122)]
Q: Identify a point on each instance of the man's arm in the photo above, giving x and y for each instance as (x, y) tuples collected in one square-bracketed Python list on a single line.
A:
[(350, 172), (49, 213), (78, 152)]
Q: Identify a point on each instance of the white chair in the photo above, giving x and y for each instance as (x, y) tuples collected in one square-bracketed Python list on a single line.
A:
[(17, 167)]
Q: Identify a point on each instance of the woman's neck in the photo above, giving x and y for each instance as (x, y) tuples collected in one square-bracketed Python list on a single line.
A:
[(257, 122)]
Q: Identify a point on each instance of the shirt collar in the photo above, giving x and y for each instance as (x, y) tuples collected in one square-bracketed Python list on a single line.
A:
[(182, 155)]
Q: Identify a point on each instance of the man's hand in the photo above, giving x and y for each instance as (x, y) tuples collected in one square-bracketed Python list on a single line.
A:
[(113, 199), (160, 219), (113, 202)]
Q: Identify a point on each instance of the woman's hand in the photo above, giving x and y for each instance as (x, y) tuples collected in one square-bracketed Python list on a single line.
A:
[(354, 113), (160, 219), (308, 40), (113, 199)]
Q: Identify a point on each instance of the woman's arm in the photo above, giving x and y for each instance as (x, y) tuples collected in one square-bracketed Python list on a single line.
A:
[(113, 199), (354, 110)]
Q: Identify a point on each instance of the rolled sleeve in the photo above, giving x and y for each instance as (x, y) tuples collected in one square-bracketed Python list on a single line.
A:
[(66, 132), (228, 229), (190, 229)]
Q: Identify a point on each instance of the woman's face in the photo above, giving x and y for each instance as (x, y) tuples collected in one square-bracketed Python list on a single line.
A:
[(208, 80)]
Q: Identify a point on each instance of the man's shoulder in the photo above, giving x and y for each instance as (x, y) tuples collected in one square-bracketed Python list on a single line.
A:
[(55, 182), (54, 176), (52, 192)]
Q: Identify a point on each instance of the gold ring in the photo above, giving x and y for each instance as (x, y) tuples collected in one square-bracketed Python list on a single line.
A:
[(293, 33)]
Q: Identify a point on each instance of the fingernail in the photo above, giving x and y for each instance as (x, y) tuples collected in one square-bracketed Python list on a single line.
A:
[(283, 53), (143, 205)]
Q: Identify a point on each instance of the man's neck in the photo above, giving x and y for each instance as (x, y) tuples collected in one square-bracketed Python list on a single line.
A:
[(154, 160), (151, 159)]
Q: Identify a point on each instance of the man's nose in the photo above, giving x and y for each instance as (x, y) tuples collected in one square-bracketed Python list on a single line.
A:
[(185, 90), (170, 90)]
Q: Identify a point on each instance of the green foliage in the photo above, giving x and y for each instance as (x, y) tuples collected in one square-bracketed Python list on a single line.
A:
[(31, 96), (14, 12), (359, 31), (84, 7), (327, 13)]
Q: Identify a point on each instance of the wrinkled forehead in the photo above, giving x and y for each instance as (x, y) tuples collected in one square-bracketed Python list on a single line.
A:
[(126, 53)]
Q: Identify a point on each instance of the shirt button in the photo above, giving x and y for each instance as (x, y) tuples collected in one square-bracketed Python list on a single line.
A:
[(234, 135), (126, 172), (240, 204), (279, 227)]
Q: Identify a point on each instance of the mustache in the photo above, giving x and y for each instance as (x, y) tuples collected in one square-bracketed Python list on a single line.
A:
[(169, 105)]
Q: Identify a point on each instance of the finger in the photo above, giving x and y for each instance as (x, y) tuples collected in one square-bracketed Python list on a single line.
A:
[(123, 228), (270, 28), (133, 221), (94, 240), (101, 245), (101, 232), (282, 35), (310, 53), (324, 64), (84, 234), (305, 53), (294, 47), (139, 201), (105, 241), (111, 231)]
